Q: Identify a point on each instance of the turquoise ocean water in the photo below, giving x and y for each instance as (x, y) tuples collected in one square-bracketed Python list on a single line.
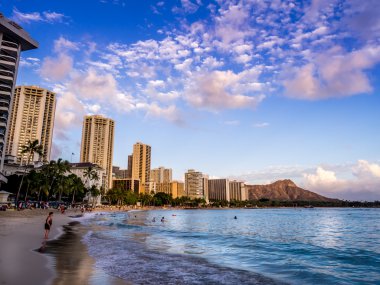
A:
[(260, 246)]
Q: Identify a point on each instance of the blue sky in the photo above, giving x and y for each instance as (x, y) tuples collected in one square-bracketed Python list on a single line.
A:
[(251, 90)]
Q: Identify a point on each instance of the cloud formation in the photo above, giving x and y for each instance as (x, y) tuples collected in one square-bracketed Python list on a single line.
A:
[(357, 181), (46, 16)]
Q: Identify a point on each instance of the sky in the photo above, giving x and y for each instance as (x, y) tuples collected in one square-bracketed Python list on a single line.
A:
[(252, 90)]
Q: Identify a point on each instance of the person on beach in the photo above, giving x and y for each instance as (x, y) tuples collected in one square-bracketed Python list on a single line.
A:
[(48, 223)]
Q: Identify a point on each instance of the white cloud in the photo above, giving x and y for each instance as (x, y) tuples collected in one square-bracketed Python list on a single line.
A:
[(218, 90), (63, 45), (56, 68), (363, 183), (47, 16), (261, 125), (333, 74)]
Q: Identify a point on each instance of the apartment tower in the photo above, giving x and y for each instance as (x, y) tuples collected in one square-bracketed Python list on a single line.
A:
[(141, 158), (97, 143), (32, 118), (161, 175), (13, 40), (196, 184)]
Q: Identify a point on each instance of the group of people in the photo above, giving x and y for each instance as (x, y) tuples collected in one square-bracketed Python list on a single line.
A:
[(162, 219)]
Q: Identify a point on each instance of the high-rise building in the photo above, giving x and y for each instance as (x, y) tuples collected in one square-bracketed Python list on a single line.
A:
[(177, 189), (13, 40), (32, 118), (161, 175), (219, 189), (238, 191), (119, 173), (141, 162), (130, 163), (223, 189), (97, 143), (196, 184)]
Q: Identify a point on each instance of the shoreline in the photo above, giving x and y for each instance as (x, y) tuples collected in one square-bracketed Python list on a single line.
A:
[(21, 233), (25, 256)]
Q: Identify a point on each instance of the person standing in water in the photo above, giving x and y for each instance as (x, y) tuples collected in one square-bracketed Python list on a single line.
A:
[(48, 223)]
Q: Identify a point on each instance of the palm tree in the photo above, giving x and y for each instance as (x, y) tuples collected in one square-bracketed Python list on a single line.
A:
[(75, 185), (31, 148), (61, 168), (91, 175)]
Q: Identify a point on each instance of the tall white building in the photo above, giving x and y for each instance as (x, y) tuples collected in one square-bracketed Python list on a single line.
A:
[(97, 143), (141, 159), (32, 118), (161, 175), (196, 184)]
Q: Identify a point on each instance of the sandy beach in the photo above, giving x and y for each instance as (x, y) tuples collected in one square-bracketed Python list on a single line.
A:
[(21, 232), (26, 257)]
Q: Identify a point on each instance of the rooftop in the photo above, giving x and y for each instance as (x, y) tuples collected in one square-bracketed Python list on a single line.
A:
[(17, 33)]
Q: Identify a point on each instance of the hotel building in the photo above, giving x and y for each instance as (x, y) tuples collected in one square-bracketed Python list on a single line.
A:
[(196, 184), (126, 184), (219, 189), (97, 143), (32, 118), (161, 175), (238, 191), (141, 163), (13, 40), (223, 189)]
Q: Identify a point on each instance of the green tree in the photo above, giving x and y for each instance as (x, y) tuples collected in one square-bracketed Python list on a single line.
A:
[(162, 198), (91, 176)]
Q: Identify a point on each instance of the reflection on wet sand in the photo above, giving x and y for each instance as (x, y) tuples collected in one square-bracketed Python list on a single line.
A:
[(73, 265)]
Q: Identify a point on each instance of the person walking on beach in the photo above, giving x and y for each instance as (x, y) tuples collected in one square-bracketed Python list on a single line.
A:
[(48, 223)]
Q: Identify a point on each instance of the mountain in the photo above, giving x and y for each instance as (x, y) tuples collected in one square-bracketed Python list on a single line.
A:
[(283, 190)]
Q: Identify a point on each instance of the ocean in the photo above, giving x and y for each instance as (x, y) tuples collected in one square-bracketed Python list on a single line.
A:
[(259, 246)]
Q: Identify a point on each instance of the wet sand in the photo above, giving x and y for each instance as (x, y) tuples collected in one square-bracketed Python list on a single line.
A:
[(26, 257)]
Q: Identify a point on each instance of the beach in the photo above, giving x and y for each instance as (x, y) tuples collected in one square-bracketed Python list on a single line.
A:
[(26, 257)]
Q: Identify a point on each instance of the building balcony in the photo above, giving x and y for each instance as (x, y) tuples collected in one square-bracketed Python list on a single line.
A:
[(5, 93), (8, 60), (9, 44), (6, 74), (6, 87)]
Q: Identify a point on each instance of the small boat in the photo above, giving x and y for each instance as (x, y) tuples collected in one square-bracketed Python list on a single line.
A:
[(309, 206)]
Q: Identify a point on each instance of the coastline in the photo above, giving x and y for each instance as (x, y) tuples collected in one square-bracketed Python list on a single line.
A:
[(21, 233), (25, 256)]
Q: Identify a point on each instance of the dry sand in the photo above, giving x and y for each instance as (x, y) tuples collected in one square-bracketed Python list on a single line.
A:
[(66, 260), (21, 232)]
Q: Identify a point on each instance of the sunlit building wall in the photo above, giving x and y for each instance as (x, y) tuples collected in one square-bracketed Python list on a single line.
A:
[(196, 185), (97, 143), (238, 191), (141, 162), (32, 117), (161, 175)]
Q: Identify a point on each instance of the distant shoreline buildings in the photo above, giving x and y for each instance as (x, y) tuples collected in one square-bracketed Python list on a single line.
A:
[(27, 113)]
